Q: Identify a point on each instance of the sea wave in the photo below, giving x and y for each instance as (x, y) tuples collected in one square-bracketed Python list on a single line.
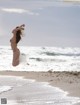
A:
[(60, 54), (5, 88), (42, 58)]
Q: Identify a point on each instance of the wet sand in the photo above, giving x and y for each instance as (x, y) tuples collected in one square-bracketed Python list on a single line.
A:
[(67, 81)]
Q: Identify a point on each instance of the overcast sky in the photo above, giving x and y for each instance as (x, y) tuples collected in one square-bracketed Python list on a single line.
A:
[(48, 22)]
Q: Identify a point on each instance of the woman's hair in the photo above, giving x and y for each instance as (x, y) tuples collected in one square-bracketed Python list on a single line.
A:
[(18, 35)]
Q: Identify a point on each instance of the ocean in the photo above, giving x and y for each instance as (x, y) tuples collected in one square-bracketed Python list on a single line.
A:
[(19, 91), (41, 59)]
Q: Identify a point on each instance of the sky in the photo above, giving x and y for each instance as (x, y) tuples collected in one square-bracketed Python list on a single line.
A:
[(48, 22)]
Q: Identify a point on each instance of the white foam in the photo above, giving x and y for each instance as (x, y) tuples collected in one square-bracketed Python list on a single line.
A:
[(5, 88), (33, 93), (41, 59)]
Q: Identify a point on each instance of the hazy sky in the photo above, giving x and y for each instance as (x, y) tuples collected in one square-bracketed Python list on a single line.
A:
[(48, 22)]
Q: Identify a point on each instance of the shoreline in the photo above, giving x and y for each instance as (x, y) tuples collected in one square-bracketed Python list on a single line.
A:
[(67, 81)]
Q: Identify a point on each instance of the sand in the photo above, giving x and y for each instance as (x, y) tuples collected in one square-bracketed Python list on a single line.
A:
[(67, 81)]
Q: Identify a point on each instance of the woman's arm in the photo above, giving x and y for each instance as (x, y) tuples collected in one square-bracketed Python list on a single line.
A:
[(23, 25), (18, 28)]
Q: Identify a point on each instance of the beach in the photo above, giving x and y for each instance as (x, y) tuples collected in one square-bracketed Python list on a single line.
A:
[(67, 81), (59, 67), (49, 64)]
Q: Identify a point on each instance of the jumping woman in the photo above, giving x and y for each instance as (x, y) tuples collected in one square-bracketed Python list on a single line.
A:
[(17, 33)]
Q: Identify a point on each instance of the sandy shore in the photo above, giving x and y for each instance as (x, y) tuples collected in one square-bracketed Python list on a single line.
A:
[(68, 81)]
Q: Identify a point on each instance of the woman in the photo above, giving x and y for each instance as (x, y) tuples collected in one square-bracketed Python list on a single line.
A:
[(17, 32)]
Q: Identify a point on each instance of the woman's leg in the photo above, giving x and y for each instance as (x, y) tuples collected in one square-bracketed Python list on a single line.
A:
[(16, 55)]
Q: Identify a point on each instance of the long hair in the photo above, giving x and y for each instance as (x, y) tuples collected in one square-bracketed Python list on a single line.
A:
[(18, 36)]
